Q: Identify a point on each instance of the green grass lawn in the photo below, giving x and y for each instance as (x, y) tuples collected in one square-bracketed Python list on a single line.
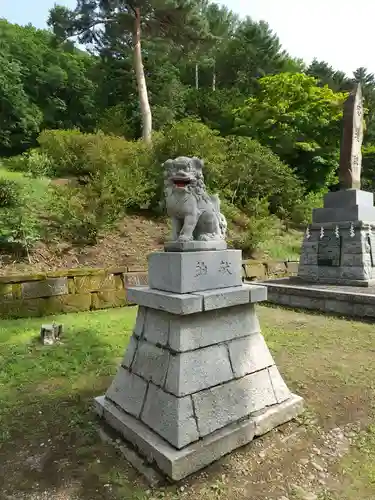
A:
[(48, 433), (36, 187)]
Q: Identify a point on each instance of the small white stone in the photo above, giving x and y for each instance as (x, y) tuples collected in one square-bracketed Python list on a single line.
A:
[(317, 466)]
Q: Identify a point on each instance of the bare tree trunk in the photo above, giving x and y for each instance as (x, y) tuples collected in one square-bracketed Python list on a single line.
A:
[(196, 76), (214, 77), (141, 81)]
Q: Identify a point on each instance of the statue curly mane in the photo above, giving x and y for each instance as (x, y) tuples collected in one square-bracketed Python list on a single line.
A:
[(194, 213), (193, 166)]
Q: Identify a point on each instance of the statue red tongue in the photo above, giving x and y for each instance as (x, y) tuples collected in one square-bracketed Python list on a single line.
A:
[(181, 183)]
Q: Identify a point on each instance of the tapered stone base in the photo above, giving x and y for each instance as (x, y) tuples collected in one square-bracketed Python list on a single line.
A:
[(197, 379), (178, 464), (194, 386)]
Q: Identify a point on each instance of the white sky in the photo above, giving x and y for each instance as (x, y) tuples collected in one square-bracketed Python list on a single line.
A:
[(337, 31), (340, 32)]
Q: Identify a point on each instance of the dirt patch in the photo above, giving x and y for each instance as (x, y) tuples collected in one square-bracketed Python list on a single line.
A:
[(128, 245)]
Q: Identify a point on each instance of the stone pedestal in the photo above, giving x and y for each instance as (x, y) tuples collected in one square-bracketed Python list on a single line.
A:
[(197, 379), (338, 247)]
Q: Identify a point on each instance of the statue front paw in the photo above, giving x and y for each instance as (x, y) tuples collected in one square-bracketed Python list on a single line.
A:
[(184, 238), (207, 237)]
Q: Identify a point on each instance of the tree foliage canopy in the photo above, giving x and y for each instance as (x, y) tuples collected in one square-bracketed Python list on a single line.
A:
[(247, 84), (299, 120)]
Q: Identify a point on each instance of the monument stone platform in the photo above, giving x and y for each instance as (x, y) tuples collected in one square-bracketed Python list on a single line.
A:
[(337, 264), (333, 299), (338, 247)]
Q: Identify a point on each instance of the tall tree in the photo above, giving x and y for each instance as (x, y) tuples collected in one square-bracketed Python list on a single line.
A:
[(252, 52), (222, 23), (326, 75), (20, 119), (57, 83), (109, 25), (300, 121)]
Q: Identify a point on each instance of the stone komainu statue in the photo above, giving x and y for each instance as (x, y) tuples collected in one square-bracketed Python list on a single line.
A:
[(194, 213)]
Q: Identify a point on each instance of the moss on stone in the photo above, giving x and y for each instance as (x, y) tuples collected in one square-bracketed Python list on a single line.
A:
[(17, 290), (119, 281), (20, 278), (21, 308), (71, 286), (85, 284), (254, 270), (107, 299), (5, 290), (67, 303)]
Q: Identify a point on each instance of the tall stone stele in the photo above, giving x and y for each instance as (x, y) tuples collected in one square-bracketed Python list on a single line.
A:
[(339, 245), (197, 379)]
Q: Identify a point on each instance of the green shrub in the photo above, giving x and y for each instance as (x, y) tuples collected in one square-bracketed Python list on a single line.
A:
[(121, 172), (252, 171), (368, 168), (10, 192), (74, 214), (238, 168), (256, 225), (19, 217), (190, 137), (15, 163), (33, 162), (67, 151), (119, 180), (114, 121), (303, 208), (38, 164), (257, 231)]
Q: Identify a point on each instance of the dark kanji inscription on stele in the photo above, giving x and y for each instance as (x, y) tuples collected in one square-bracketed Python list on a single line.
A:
[(329, 251)]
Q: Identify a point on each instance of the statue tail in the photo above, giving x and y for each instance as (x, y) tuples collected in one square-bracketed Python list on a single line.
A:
[(216, 202), (222, 221)]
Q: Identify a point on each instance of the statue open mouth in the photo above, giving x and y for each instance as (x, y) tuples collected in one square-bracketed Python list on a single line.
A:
[(181, 182)]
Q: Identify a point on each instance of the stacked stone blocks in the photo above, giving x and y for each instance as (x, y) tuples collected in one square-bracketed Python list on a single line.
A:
[(64, 291), (197, 374), (339, 245)]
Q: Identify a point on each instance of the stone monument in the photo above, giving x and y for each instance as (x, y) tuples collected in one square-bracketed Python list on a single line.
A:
[(197, 379), (339, 245)]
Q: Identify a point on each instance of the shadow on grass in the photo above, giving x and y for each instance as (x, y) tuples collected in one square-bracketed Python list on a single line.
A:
[(49, 438)]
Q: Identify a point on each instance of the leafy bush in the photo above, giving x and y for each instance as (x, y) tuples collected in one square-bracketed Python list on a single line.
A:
[(19, 218), (9, 193), (33, 162), (114, 121), (252, 171), (118, 179), (190, 137), (16, 163), (299, 120), (38, 164), (67, 151), (74, 214), (368, 162), (257, 227), (302, 211)]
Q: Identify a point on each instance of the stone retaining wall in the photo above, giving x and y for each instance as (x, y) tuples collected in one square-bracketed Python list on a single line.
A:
[(86, 289)]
